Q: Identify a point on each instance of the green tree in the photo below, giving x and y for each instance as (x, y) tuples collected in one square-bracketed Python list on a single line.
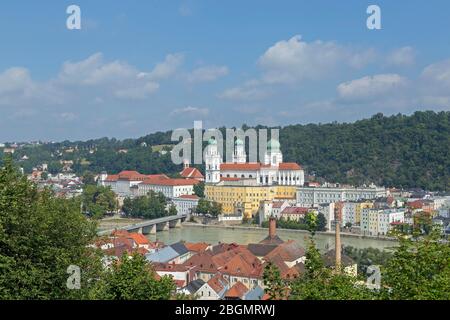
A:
[(132, 279), (203, 206), (311, 222), (40, 237), (151, 206), (172, 210), (88, 178), (419, 269), (98, 200), (275, 286), (321, 283), (215, 209), (199, 189)]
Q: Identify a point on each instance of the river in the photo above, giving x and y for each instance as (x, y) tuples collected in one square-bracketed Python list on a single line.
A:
[(244, 236)]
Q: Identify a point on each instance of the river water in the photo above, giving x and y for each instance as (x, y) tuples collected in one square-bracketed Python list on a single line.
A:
[(214, 235)]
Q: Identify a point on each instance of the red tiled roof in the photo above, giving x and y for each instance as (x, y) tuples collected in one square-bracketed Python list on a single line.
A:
[(171, 182), (170, 267), (240, 166), (191, 173), (140, 239), (237, 291), (217, 283), (202, 262), (112, 177), (289, 166), (295, 210), (288, 251), (238, 266), (277, 204), (196, 247), (131, 175), (189, 196)]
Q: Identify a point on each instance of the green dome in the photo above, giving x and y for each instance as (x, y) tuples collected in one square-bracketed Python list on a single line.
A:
[(212, 141), (273, 144), (239, 142)]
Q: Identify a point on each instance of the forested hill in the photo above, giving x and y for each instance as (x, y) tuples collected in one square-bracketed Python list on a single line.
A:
[(402, 151)]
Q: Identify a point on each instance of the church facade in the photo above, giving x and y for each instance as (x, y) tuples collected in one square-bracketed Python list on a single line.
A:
[(272, 171)]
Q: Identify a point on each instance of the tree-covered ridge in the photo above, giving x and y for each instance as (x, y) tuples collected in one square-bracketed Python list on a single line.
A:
[(400, 151)]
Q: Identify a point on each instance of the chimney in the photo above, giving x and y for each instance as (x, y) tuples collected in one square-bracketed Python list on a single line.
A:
[(272, 227), (337, 242)]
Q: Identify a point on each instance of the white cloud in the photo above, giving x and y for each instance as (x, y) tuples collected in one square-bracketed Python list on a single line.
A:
[(67, 116), (17, 88), (119, 78), (138, 92), (370, 87), (293, 60), (193, 111), (435, 84), (207, 73), (438, 74), (401, 57), (251, 91), (165, 69), (92, 81)]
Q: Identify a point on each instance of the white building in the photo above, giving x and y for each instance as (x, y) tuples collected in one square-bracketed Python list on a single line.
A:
[(132, 184), (186, 204), (272, 171), (171, 188), (376, 222), (313, 196), (349, 213), (122, 183), (271, 208), (327, 209)]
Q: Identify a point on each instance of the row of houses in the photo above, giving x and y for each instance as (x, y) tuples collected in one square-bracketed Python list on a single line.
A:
[(224, 271)]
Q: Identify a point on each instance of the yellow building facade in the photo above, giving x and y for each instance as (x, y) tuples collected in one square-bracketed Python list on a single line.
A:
[(246, 199), (359, 207)]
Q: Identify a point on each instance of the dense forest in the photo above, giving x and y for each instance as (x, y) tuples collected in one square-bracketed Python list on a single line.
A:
[(402, 151)]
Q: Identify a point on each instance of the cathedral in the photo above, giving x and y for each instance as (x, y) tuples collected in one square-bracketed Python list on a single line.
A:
[(273, 171)]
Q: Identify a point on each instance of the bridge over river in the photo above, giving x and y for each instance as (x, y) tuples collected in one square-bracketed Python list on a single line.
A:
[(150, 226)]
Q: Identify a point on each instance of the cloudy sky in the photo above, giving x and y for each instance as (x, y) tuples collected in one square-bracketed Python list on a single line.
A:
[(136, 67)]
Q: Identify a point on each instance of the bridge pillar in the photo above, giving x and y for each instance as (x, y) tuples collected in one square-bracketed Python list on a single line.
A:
[(140, 230), (175, 223), (149, 229), (163, 226)]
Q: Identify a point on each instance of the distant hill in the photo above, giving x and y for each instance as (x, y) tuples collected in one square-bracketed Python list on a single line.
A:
[(401, 151)]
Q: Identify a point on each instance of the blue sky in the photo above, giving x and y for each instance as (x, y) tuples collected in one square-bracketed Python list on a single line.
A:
[(136, 67)]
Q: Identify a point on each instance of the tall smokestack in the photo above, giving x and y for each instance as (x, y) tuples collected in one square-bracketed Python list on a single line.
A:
[(272, 227), (337, 242)]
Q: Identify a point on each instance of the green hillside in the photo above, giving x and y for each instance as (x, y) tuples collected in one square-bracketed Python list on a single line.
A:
[(402, 151)]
